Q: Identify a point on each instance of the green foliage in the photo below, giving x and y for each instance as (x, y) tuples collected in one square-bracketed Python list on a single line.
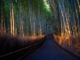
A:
[(25, 7), (6, 5), (35, 5), (15, 3)]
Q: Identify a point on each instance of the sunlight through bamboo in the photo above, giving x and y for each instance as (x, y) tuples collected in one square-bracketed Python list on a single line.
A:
[(34, 31), (40, 30), (12, 21)]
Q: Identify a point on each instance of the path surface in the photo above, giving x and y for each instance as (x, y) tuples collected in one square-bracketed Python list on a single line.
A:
[(50, 51)]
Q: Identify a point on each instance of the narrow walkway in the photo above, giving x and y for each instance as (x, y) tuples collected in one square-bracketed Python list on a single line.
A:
[(49, 51)]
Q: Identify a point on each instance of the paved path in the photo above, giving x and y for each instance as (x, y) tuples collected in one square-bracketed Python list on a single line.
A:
[(50, 51)]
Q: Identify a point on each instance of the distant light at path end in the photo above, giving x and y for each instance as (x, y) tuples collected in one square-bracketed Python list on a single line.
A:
[(46, 4)]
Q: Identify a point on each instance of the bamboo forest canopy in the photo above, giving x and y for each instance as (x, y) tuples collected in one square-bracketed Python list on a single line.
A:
[(25, 5), (37, 17)]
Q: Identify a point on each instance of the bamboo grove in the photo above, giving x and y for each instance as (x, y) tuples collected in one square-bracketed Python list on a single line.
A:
[(37, 17)]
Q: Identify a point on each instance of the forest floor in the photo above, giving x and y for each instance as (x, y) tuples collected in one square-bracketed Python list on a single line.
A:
[(48, 51), (9, 43), (71, 43)]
